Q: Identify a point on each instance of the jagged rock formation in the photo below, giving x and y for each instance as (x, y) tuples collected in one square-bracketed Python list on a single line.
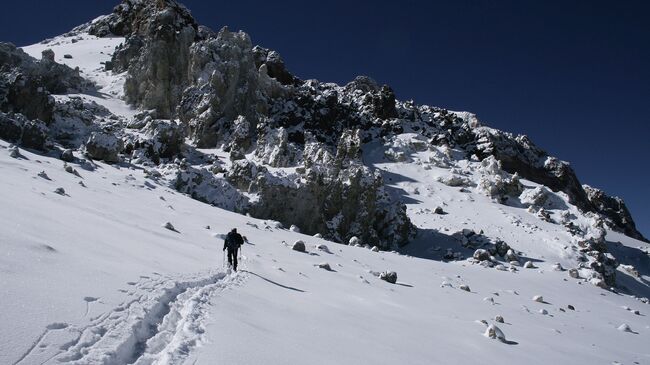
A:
[(16, 128), (615, 210), (26, 84), (295, 146), (156, 52)]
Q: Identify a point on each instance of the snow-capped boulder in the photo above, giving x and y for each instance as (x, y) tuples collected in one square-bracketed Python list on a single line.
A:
[(164, 138), (325, 266), (481, 255), (323, 248), (103, 146), (511, 256), (615, 210), (455, 180), (494, 332), (538, 298), (625, 328), (205, 186), (67, 155), (529, 265), (497, 184), (389, 276)]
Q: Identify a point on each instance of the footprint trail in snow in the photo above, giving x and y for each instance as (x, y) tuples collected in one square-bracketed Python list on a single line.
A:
[(160, 322)]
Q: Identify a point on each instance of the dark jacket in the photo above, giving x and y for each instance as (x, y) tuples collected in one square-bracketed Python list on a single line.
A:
[(233, 241)]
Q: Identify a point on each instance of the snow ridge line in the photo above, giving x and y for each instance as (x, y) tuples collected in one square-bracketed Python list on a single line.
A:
[(168, 316)]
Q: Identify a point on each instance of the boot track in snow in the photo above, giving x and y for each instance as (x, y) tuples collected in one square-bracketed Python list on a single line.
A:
[(160, 323)]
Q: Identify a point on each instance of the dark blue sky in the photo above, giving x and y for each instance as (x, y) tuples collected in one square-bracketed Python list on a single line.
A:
[(573, 75)]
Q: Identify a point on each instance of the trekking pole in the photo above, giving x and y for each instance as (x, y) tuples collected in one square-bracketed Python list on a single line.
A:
[(223, 262)]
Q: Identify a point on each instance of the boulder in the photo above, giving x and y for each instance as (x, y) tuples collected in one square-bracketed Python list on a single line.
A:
[(298, 246), (494, 332), (481, 255), (502, 249), (67, 155), (389, 276), (511, 256), (103, 146), (16, 128)]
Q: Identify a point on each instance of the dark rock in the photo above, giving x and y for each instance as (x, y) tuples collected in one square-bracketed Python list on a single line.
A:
[(103, 146), (501, 248), (26, 84), (298, 246), (16, 128), (274, 65), (164, 139), (389, 276), (614, 209), (47, 55), (34, 135)]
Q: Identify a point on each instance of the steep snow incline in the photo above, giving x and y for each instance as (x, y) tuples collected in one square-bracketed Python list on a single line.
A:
[(93, 277), (417, 182), (89, 53)]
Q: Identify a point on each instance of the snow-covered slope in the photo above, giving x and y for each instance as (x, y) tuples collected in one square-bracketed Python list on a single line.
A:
[(92, 276), (89, 54), (111, 264)]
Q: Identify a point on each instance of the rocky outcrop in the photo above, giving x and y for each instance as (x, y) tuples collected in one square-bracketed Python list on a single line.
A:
[(274, 65), (227, 93), (225, 86), (614, 210), (16, 128), (103, 146), (156, 51), (26, 83), (337, 196)]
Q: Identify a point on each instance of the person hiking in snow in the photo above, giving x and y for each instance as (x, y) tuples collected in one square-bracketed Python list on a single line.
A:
[(233, 242)]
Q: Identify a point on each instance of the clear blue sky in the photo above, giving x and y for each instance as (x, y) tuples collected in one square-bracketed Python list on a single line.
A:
[(573, 75)]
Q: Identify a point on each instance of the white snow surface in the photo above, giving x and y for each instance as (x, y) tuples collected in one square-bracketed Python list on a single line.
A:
[(93, 277), (88, 52)]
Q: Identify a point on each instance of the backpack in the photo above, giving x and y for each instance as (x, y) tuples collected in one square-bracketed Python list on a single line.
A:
[(233, 241)]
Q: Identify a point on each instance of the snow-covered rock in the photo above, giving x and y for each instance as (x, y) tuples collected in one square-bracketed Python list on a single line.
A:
[(389, 276)]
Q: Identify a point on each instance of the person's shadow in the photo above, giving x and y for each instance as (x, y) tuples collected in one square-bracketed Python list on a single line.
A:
[(273, 282)]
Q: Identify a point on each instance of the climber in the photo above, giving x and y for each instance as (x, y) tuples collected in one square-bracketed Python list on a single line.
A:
[(233, 242)]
